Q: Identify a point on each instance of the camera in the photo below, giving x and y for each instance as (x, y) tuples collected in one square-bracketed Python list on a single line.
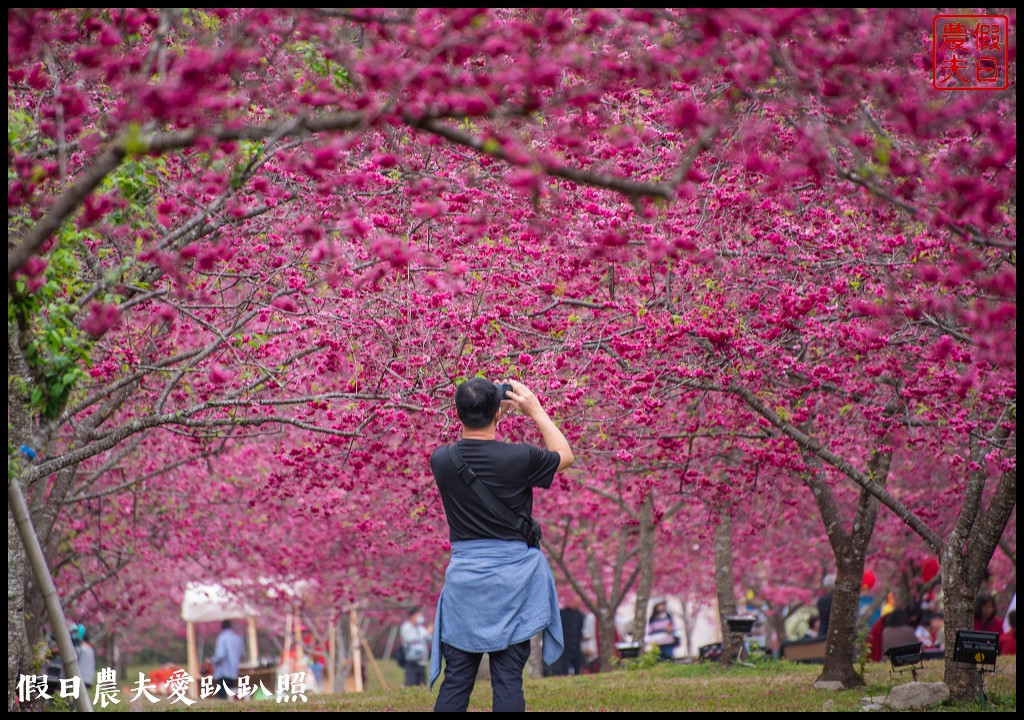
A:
[(504, 389)]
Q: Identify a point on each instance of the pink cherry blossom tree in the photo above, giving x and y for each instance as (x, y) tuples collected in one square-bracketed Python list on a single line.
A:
[(251, 251)]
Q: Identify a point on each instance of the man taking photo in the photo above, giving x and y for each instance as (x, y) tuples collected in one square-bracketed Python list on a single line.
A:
[(499, 590)]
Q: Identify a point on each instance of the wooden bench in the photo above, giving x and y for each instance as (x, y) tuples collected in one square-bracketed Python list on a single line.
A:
[(804, 651)]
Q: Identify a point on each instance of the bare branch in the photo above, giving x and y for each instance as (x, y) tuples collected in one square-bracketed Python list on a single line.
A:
[(630, 188)]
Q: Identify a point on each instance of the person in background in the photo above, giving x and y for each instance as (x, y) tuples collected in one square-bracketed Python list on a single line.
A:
[(416, 639), (571, 662), (931, 600), (825, 603), (986, 618), (227, 655), (899, 629), (661, 630), (86, 656), (572, 631), (875, 637), (317, 660), (588, 644), (53, 669), (1008, 640), (813, 628), (931, 632), (1012, 608), (914, 614)]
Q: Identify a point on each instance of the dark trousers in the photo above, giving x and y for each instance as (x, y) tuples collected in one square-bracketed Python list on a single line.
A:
[(460, 669), (415, 674), (231, 683)]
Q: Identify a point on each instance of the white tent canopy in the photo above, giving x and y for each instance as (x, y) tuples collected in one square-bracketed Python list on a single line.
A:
[(210, 603)]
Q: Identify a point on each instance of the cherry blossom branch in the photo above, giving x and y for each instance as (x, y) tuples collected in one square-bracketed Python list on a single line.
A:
[(629, 188), (863, 480), (356, 18), (184, 418), (148, 476), (130, 146)]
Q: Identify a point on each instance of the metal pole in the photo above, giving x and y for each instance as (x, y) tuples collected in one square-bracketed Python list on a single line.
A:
[(41, 574)]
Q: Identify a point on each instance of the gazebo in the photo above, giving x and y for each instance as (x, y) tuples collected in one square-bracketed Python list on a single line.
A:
[(214, 603)]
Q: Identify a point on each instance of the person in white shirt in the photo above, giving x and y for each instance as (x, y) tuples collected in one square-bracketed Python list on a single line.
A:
[(86, 656), (416, 639)]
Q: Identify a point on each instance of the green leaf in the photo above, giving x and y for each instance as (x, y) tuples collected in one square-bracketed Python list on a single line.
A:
[(134, 144)]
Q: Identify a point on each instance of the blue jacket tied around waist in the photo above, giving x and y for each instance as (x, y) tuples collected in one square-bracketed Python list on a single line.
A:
[(496, 593)]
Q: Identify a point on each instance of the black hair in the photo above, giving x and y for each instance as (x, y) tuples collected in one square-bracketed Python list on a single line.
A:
[(477, 402), (654, 610), (981, 601), (914, 613), (225, 625), (897, 618)]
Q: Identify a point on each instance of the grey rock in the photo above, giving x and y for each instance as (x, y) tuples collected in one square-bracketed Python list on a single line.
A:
[(917, 696), (828, 685), (872, 703)]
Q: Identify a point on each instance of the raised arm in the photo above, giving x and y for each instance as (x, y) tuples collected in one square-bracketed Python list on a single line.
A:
[(527, 402)]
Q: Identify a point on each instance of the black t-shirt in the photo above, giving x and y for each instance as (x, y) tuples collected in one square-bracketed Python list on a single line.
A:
[(509, 470)]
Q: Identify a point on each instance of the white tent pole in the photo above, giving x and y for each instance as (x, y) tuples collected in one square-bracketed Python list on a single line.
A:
[(254, 659), (287, 636), (342, 662), (357, 663), (193, 659), (300, 646)]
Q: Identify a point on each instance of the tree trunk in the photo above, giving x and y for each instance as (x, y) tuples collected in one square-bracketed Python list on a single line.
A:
[(646, 578), (731, 642), (850, 550), (604, 596), (776, 631), (602, 601), (958, 613), (19, 424), (840, 646), (965, 559), (41, 573), (606, 637), (691, 611), (19, 659)]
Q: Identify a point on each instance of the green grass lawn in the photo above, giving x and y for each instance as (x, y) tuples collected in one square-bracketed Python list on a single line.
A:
[(767, 686)]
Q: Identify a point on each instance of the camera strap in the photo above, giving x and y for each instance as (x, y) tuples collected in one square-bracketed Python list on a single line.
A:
[(503, 511)]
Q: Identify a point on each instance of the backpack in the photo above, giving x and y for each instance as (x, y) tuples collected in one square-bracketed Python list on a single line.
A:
[(399, 655)]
